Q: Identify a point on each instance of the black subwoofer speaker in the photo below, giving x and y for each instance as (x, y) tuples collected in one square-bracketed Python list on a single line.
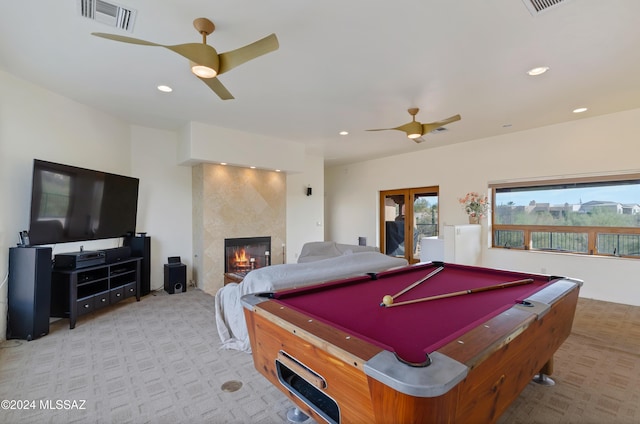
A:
[(175, 278)]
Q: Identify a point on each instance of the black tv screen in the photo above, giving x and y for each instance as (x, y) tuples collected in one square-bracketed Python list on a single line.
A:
[(76, 204)]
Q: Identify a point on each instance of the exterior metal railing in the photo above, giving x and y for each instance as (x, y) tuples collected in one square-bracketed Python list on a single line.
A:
[(606, 243)]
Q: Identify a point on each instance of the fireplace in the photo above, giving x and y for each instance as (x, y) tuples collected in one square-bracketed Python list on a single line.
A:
[(247, 253)]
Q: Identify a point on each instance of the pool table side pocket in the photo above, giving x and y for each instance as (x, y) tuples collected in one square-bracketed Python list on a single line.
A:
[(541, 301)]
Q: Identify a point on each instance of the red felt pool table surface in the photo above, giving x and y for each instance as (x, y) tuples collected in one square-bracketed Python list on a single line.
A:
[(343, 358), (413, 330)]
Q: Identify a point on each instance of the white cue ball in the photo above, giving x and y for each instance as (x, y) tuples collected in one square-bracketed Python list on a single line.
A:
[(387, 300)]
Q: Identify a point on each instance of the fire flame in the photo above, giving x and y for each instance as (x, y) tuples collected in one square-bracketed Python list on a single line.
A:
[(240, 256)]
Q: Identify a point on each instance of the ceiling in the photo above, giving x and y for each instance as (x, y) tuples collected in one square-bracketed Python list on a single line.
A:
[(342, 65)]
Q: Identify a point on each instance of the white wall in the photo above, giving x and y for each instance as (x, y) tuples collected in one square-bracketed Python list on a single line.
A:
[(36, 123), (200, 142), (305, 214), (590, 146), (164, 204)]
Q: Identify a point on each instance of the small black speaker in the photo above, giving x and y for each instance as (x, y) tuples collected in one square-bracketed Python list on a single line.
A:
[(116, 254), (175, 278)]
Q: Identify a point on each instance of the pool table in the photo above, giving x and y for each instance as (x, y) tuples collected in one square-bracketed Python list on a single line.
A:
[(344, 357)]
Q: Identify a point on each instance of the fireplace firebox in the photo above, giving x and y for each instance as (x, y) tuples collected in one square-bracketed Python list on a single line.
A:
[(246, 253)]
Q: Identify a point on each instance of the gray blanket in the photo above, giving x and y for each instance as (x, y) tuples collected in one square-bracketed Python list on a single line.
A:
[(230, 316)]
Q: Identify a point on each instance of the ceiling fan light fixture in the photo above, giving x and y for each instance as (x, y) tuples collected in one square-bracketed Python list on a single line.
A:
[(205, 62), (203, 71), (414, 129)]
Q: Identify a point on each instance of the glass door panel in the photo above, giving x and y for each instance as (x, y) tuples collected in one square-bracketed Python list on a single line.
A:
[(425, 219), (407, 215), (393, 216)]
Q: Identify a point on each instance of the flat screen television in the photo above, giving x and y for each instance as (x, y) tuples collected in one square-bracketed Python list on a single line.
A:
[(76, 204)]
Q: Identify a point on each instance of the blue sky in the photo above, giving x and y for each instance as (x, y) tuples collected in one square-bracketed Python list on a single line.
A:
[(621, 193)]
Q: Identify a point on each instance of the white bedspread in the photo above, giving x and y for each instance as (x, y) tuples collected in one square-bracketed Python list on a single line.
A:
[(230, 316)]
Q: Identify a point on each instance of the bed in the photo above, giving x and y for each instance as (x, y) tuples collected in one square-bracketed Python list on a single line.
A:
[(318, 262)]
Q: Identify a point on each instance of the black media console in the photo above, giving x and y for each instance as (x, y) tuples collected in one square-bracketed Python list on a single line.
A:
[(75, 292)]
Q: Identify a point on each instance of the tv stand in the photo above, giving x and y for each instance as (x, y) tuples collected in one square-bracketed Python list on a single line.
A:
[(79, 291)]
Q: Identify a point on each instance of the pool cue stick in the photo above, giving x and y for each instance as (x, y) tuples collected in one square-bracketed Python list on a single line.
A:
[(463, 292), (423, 279)]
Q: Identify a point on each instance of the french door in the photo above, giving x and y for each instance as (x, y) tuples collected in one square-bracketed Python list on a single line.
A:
[(407, 215)]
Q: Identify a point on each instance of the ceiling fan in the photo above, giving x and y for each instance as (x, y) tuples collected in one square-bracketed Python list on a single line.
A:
[(206, 63), (415, 130)]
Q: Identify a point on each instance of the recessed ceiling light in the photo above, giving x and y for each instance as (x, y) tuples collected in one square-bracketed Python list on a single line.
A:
[(252, 167), (538, 71), (277, 170), (344, 133), (223, 163), (165, 88), (580, 110)]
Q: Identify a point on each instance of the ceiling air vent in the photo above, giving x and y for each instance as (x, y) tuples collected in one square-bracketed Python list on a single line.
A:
[(111, 14), (538, 6)]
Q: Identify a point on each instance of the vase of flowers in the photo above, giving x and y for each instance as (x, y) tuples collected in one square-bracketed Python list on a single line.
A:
[(475, 205)]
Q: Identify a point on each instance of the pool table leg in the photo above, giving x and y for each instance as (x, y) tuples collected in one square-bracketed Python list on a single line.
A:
[(295, 415), (542, 377)]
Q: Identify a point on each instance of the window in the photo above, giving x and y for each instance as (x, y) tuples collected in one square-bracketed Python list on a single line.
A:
[(596, 216), (407, 214)]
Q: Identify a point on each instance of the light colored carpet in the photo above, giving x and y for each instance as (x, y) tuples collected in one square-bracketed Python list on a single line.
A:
[(158, 361), (153, 361), (597, 372)]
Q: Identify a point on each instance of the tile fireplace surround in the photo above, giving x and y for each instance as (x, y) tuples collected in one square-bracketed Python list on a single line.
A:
[(233, 202)]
